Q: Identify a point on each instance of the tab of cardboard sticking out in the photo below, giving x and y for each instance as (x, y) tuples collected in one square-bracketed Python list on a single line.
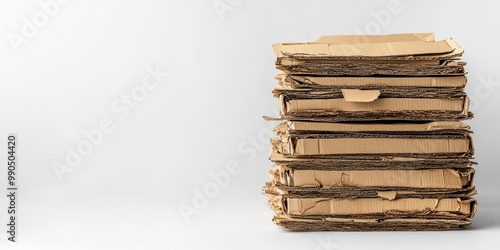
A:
[(358, 95), (390, 195)]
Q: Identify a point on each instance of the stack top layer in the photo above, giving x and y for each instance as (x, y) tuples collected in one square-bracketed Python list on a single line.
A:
[(417, 46)]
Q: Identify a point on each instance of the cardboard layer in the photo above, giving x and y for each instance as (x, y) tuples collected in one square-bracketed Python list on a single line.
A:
[(364, 162), (320, 206), (351, 224), (429, 178), (367, 95), (395, 146), (383, 104), (290, 61), (303, 126), (396, 50), (338, 109), (445, 68), (389, 193), (297, 81)]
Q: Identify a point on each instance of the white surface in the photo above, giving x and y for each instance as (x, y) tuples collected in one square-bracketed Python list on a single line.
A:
[(126, 193)]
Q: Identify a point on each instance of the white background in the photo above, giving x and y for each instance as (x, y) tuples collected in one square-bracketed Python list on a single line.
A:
[(125, 194)]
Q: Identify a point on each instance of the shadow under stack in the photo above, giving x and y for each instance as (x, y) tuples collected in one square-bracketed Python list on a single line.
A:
[(371, 137)]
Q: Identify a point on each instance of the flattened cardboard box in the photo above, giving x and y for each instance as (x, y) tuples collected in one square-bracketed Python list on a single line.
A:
[(428, 179), (365, 106), (426, 82), (367, 95), (372, 50), (383, 144), (451, 127), (393, 220), (390, 184), (389, 193), (355, 224), (378, 55), (445, 68), (380, 208), (369, 162)]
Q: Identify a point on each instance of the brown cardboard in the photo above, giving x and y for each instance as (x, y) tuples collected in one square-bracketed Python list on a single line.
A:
[(383, 104), (351, 224), (347, 192), (445, 207), (358, 95), (298, 81), (424, 179), (407, 50), (444, 68), (338, 109), (371, 138), (368, 162), (304, 126), (377, 145)]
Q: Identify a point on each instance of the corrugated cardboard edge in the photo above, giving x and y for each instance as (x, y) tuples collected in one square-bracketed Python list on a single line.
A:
[(296, 82), (333, 224), (305, 126)]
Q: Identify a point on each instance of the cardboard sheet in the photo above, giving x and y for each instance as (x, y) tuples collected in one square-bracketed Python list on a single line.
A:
[(428, 178), (298, 81), (320, 206), (304, 126)]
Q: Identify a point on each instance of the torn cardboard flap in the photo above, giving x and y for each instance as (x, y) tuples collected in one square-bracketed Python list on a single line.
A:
[(357, 95), (390, 195)]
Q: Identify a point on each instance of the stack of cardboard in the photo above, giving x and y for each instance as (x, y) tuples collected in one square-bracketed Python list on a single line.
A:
[(372, 138)]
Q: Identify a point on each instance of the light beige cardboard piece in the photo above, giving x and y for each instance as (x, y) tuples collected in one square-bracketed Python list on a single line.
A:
[(339, 146), (321, 206), (381, 104), (387, 50), (428, 178), (358, 95)]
